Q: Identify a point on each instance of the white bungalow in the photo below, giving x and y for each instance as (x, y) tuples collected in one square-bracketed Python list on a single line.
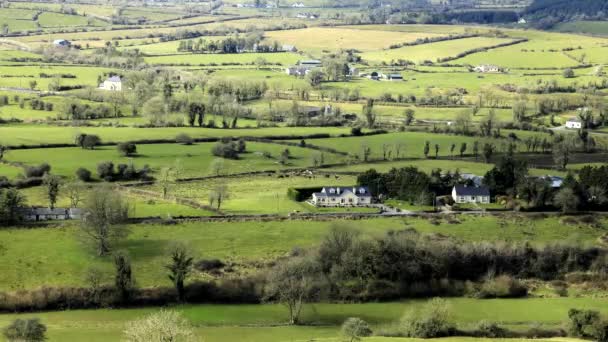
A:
[(471, 194), (342, 197), (113, 83), (574, 123)]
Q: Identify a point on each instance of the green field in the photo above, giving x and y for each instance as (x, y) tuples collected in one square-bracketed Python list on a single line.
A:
[(39, 134), (433, 51), (195, 159), (233, 322), (64, 261)]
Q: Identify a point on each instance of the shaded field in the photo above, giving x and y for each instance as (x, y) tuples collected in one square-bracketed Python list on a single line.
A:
[(219, 59), (62, 257)]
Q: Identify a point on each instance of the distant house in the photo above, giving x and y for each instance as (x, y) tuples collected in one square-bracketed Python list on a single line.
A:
[(311, 111), (298, 5), (62, 43), (307, 16), (488, 68), (303, 67), (471, 194), (113, 83), (342, 197), (289, 48), (46, 214), (393, 77), (522, 21), (574, 123)]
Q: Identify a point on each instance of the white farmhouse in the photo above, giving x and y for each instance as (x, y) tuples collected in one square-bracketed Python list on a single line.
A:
[(113, 83), (471, 194), (342, 197), (574, 123), (488, 68)]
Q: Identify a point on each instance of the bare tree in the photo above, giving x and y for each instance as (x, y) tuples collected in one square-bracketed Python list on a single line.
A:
[(105, 211), (74, 192), (290, 283), (218, 195)]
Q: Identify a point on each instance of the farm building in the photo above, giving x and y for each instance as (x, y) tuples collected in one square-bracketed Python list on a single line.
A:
[(393, 77), (488, 68), (471, 194), (554, 181), (574, 123), (303, 67), (298, 5), (342, 197), (46, 214), (62, 43), (113, 83)]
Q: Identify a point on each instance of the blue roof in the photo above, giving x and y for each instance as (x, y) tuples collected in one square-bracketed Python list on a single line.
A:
[(361, 191), (114, 79)]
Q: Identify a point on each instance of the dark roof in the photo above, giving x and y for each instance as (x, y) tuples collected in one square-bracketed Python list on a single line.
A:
[(114, 79), (339, 190), (464, 190), (43, 211), (395, 76)]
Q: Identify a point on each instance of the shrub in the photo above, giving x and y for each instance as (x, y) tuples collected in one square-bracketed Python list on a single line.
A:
[(25, 330), (354, 328), (127, 149), (433, 320), (89, 141), (37, 171), (356, 131), (502, 286), (229, 149), (490, 330), (184, 139), (105, 170), (83, 174)]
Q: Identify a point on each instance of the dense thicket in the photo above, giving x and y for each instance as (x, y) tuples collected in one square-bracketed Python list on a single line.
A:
[(546, 13)]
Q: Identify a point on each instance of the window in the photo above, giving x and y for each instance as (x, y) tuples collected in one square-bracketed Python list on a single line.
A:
[(361, 190), (332, 191), (461, 198)]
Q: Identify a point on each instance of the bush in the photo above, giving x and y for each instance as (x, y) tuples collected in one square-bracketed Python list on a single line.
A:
[(127, 149), (354, 328), (489, 330), (184, 139), (25, 330), (105, 170), (37, 171), (433, 320), (503, 286), (226, 148), (356, 131), (88, 141), (83, 174)]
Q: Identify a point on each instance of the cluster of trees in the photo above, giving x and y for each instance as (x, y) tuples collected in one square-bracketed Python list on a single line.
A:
[(347, 266), (38, 104), (122, 172), (228, 148), (547, 13), (409, 183), (236, 44), (73, 109)]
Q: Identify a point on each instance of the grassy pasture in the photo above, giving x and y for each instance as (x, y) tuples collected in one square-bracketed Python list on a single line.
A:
[(286, 58), (413, 143), (49, 19), (62, 258), (195, 159), (431, 51), (22, 75), (25, 134), (261, 194), (140, 207), (230, 322), (317, 39)]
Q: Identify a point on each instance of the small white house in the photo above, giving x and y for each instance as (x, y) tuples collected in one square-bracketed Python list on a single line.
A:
[(289, 48), (488, 68), (342, 197), (522, 21), (113, 83), (574, 123), (471, 194)]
